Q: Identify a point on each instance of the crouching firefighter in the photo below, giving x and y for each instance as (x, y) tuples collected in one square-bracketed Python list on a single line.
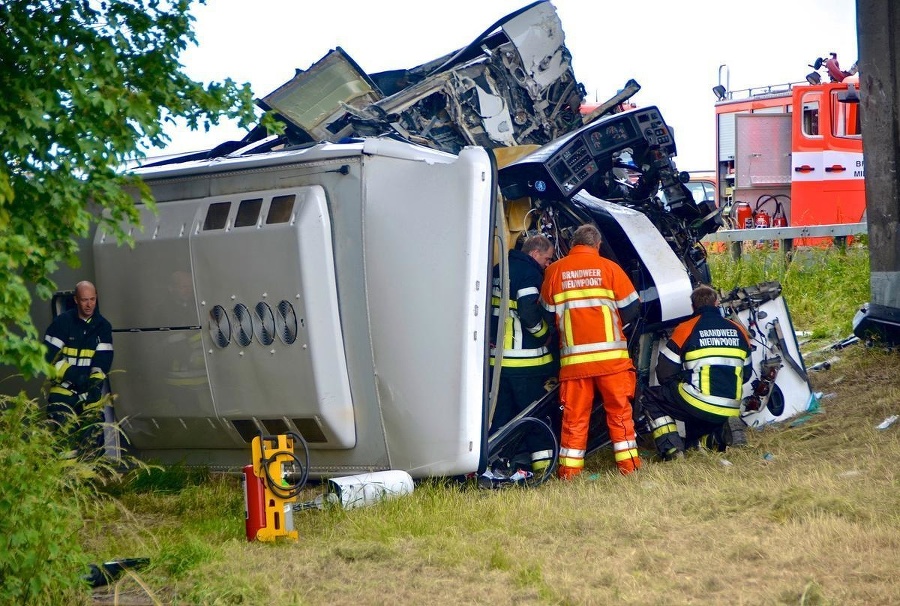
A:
[(701, 372), (79, 346), (527, 362)]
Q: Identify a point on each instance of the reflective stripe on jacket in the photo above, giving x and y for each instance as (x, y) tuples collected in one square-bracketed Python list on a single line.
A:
[(525, 332), (81, 351), (711, 357), (589, 295)]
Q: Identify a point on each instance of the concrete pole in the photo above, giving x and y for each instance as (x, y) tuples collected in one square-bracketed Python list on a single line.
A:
[(878, 32)]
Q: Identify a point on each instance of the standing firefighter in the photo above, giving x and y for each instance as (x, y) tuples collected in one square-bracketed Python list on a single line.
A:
[(701, 372), (79, 346), (527, 361), (592, 299)]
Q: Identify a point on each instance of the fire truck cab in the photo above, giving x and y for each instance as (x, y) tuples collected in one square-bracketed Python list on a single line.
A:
[(791, 155)]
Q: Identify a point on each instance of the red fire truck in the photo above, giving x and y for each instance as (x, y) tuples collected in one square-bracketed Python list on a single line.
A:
[(791, 154)]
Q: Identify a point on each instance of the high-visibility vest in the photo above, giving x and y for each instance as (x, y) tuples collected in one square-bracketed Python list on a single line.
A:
[(79, 350), (587, 293), (711, 355), (525, 332)]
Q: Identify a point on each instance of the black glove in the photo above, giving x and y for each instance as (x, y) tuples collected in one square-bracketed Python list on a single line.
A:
[(94, 394), (81, 383)]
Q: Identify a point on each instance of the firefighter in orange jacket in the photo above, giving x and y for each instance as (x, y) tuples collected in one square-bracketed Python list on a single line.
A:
[(592, 298), (701, 370)]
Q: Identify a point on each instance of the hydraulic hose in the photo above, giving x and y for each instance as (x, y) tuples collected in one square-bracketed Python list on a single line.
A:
[(291, 485)]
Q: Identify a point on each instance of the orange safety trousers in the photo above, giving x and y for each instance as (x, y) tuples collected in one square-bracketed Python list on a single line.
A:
[(577, 399)]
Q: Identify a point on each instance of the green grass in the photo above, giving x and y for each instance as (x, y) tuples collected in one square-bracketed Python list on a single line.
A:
[(823, 287), (804, 514)]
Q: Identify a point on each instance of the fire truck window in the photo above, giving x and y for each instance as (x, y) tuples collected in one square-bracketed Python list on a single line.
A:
[(216, 215), (811, 118), (280, 210), (845, 118), (248, 212)]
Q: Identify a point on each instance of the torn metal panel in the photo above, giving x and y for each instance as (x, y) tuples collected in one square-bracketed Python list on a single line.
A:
[(317, 101), (539, 40), (495, 116), (519, 90), (614, 103), (512, 85)]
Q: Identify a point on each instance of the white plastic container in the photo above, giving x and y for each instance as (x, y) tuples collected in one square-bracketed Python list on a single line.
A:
[(369, 488)]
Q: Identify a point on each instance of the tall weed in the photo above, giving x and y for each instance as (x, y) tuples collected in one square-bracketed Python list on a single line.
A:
[(46, 493), (822, 287)]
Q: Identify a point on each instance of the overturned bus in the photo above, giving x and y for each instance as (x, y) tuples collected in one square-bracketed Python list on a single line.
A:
[(340, 289)]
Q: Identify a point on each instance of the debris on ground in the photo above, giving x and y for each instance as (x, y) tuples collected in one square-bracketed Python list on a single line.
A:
[(105, 573), (852, 473), (845, 342), (887, 422), (362, 490), (801, 420), (824, 365)]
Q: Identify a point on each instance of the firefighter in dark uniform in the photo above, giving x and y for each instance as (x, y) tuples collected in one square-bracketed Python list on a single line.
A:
[(701, 372), (527, 362), (79, 346)]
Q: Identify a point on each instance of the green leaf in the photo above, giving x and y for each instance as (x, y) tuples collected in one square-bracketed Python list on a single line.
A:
[(84, 83)]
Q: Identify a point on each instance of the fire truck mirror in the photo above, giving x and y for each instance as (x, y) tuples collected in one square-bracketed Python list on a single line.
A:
[(848, 96)]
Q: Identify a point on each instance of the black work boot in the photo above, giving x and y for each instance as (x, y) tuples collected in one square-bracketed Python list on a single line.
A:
[(735, 432), (672, 454)]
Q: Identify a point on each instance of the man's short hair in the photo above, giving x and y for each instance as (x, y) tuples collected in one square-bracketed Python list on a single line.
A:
[(587, 235), (537, 242), (704, 296)]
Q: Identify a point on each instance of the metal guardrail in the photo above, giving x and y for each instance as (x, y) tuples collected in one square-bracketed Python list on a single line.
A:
[(788, 233)]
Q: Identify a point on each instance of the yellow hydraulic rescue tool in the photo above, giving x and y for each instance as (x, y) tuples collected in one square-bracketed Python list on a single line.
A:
[(272, 484)]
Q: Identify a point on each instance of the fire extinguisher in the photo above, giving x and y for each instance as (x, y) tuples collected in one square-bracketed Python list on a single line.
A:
[(761, 218), (779, 220), (254, 502), (743, 216)]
